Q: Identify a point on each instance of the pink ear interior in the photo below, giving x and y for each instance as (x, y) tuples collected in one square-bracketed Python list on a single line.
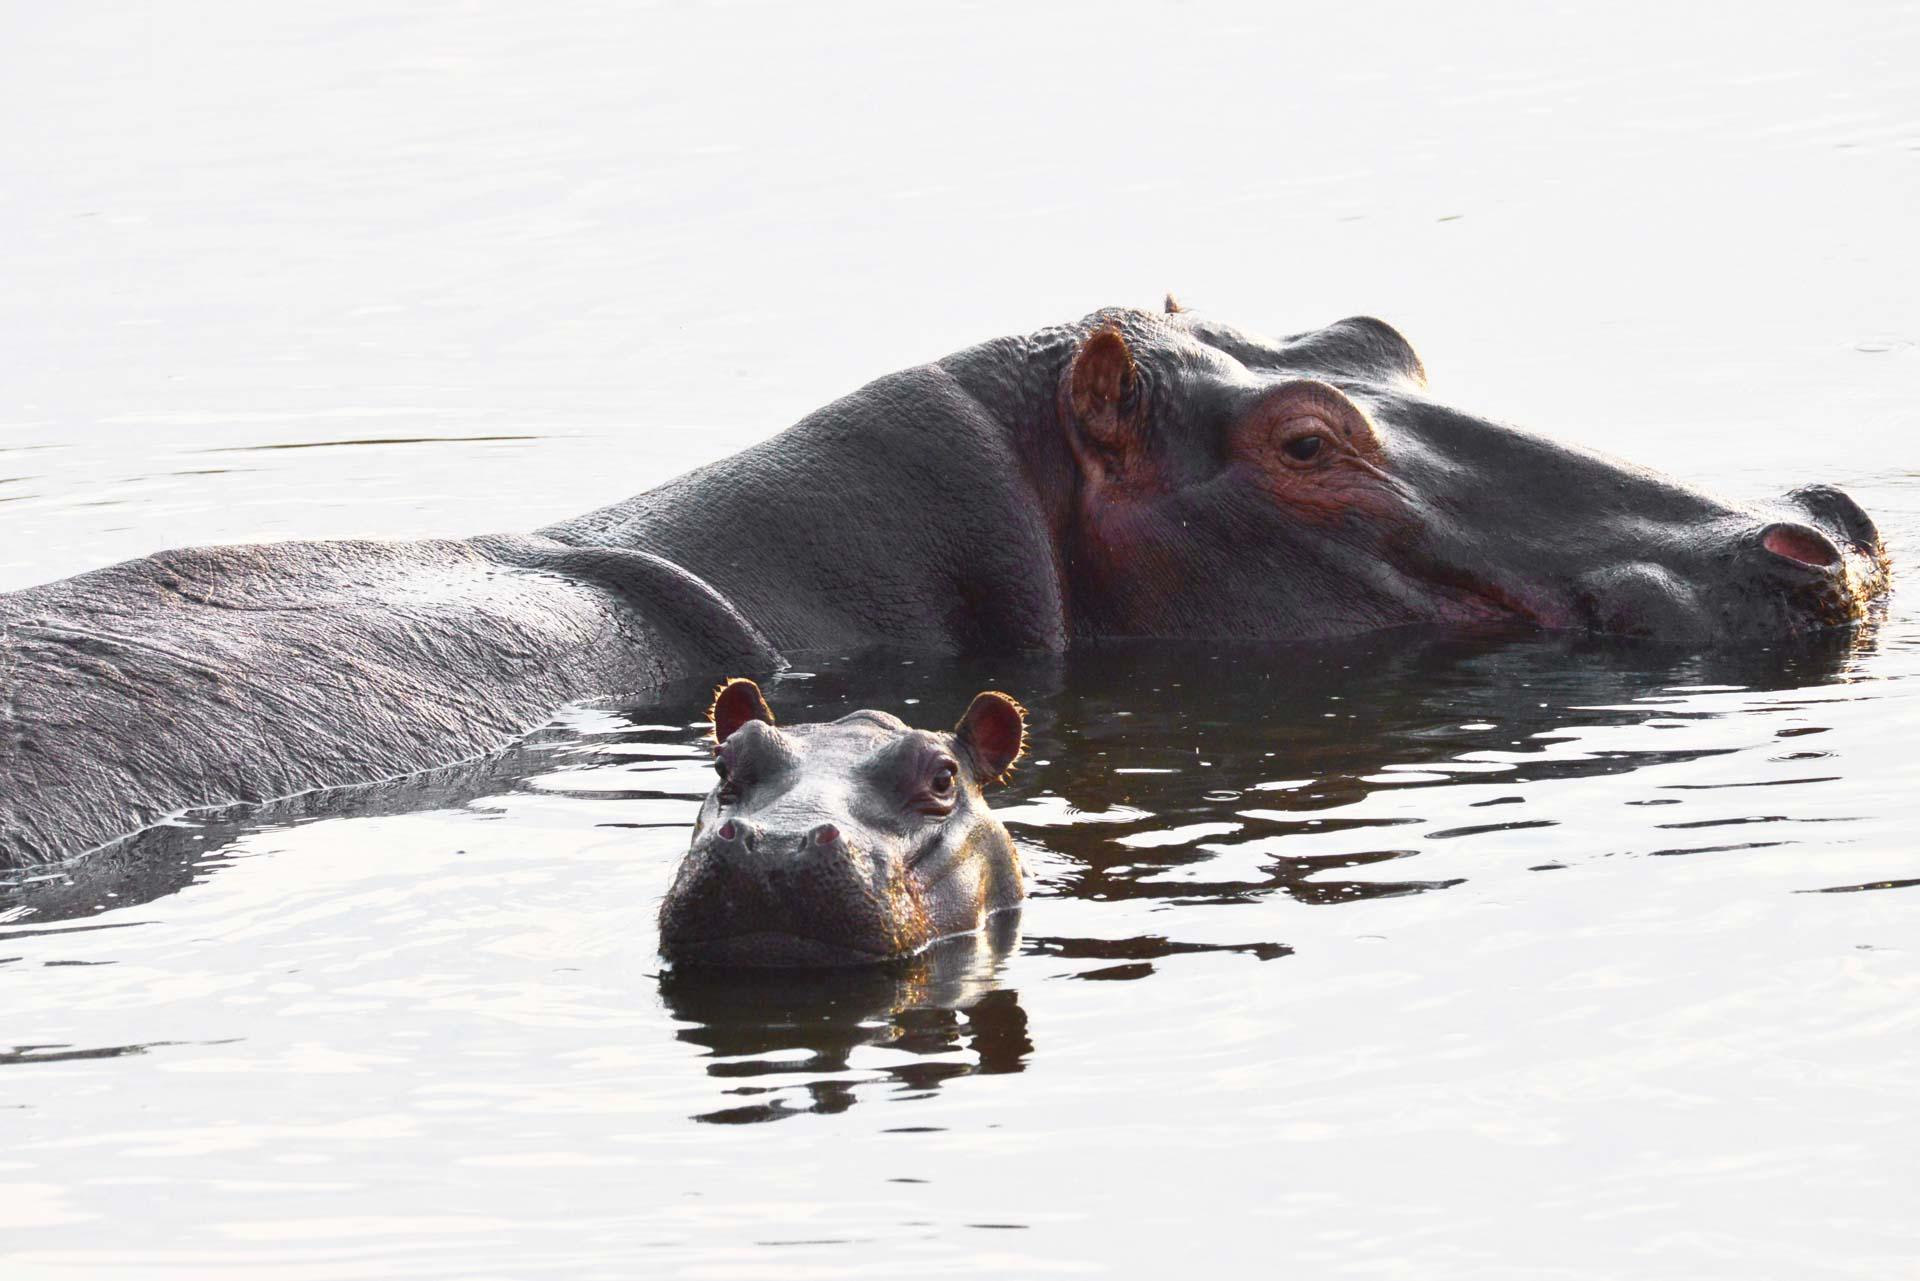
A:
[(994, 733), (736, 703)]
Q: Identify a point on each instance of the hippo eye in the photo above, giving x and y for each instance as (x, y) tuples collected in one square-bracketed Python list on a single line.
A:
[(945, 775), (1304, 449)]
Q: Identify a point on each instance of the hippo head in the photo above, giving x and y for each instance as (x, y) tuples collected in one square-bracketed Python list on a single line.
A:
[(1230, 482), (844, 843)]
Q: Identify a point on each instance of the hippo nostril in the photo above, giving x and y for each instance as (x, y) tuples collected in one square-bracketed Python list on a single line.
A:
[(825, 834), (729, 830), (1800, 544), (1833, 509)]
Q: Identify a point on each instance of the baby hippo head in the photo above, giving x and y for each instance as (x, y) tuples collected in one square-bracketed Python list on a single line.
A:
[(843, 843)]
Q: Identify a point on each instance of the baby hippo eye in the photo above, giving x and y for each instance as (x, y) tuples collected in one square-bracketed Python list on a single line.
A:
[(945, 776)]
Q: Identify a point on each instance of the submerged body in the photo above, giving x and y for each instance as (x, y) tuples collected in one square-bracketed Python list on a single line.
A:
[(1130, 474), (846, 843)]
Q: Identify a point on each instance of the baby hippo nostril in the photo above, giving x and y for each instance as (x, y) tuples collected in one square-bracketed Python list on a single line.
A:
[(1801, 545), (738, 835), (825, 834)]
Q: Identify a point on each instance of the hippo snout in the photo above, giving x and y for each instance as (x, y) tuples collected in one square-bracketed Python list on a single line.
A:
[(749, 894), (1811, 561), (1837, 553), (1835, 512)]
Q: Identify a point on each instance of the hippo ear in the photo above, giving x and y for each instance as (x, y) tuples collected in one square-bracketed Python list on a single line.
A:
[(734, 704), (1103, 392), (994, 734)]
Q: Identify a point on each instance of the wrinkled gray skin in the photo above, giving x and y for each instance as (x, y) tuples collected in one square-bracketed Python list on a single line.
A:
[(1124, 475), (847, 843), (209, 676)]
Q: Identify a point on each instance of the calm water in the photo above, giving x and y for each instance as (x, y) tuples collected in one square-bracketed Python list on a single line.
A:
[(1412, 956)]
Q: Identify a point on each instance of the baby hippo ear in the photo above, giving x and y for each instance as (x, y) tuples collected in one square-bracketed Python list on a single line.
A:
[(734, 704), (994, 734)]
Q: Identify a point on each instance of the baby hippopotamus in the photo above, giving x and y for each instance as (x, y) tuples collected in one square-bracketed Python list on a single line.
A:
[(843, 843)]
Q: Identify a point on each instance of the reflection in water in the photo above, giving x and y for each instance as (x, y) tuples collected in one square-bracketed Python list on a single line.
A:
[(1902, 884), (1170, 777), (166, 859), (1189, 758), (1136, 955), (940, 1012), (23, 1054), (1199, 780)]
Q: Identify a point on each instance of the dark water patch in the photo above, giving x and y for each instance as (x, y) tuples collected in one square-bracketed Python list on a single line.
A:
[(1484, 829), (1131, 970), (1322, 893), (752, 1114), (615, 794), (71, 929), (1146, 947), (1716, 849), (59, 1053), (363, 442), (1725, 822), (1870, 885), (1757, 782)]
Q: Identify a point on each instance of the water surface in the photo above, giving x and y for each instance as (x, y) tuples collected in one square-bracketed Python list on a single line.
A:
[(1415, 955)]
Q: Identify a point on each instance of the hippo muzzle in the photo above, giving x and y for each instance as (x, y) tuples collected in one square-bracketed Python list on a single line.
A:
[(1841, 559), (1811, 562), (848, 843), (752, 896)]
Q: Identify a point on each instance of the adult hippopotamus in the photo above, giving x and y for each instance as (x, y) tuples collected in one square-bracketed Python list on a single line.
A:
[(1129, 474), (844, 843)]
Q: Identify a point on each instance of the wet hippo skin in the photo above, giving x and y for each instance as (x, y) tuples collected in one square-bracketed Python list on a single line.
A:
[(1130, 474), (845, 843)]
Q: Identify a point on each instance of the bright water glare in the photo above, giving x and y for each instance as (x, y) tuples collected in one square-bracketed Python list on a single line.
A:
[(1410, 956)]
